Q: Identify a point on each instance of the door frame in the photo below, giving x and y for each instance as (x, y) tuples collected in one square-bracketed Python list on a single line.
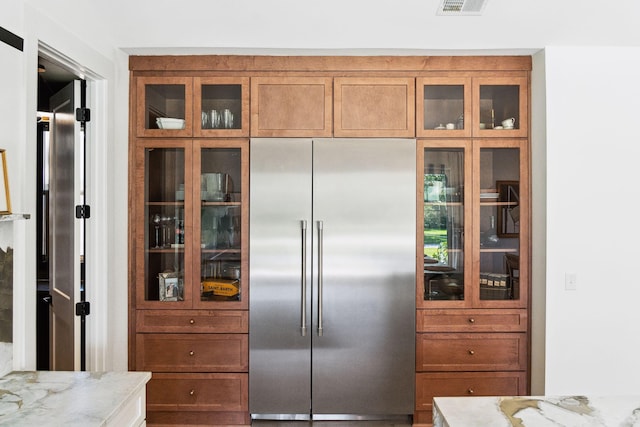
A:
[(96, 227)]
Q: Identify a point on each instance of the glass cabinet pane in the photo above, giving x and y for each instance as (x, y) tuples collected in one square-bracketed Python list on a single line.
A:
[(164, 224), (220, 224), (221, 106), (499, 224), (444, 107), (500, 107), (443, 224), (164, 106)]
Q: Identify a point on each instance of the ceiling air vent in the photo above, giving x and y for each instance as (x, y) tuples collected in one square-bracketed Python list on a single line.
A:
[(461, 7)]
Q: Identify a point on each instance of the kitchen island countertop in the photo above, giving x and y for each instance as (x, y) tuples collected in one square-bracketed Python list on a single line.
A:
[(55, 398), (537, 411)]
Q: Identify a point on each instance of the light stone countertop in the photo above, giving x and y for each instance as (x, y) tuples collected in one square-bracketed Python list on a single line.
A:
[(54, 398), (537, 411)]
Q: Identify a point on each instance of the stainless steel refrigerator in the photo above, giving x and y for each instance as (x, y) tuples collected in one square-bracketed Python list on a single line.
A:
[(332, 276)]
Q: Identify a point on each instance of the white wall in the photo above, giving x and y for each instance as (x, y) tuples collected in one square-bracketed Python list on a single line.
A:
[(12, 135), (349, 26), (94, 57), (592, 143), (538, 222)]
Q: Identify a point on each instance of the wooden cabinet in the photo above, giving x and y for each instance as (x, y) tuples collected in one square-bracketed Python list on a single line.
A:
[(198, 399), (221, 106), (374, 107), (443, 107), (463, 106), (497, 99), (191, 222), (189, 213), (291, 106), (189, 246), (163, 97), (433, 384), (471, 352), (163, 352), (473, 239), (357, 107), (200, 106)]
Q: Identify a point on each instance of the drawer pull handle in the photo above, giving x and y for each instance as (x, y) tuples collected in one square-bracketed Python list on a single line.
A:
[(191, 321), (192, 392), (191, 353), (472, 320), (471, 352), (470, 391)]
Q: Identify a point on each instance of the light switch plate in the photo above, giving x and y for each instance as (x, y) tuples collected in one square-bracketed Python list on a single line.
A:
[(570, 282)]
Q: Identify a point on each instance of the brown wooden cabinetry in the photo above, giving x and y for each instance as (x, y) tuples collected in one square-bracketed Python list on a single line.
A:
[(189, 246), (374, 107), (473, 241), (197, 399), (291, 106), (189, 213)]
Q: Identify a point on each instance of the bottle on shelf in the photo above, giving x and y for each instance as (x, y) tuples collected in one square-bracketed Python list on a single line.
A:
[(491, 235)]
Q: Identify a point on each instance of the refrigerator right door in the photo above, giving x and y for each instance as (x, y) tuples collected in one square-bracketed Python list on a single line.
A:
[(364, 277)]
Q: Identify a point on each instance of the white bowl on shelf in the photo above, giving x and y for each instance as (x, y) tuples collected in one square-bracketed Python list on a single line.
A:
[(170, 123)]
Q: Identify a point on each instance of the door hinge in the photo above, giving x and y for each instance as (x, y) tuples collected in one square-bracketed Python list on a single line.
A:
[(83, 308), (83, 114), (83, 211)]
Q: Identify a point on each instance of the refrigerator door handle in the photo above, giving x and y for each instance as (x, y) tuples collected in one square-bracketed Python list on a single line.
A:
[(320, 246), (303, 281)]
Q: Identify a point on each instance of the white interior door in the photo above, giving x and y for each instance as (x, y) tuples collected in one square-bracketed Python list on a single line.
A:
[(66, 232)]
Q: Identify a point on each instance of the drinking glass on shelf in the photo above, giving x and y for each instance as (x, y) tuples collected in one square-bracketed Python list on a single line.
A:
[(156, 220)]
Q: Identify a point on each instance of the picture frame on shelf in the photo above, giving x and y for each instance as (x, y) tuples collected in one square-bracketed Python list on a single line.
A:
[(508, 208), (170, 289), (5, 198)]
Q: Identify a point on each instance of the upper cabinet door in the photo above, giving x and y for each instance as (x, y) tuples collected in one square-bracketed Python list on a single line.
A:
[(374, 107), (291, 106), (221, 106), (443, 107), (164, 106), (501, 107)]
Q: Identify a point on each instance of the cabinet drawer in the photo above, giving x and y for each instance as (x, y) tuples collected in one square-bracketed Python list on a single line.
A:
[(454, 384), (471, 352), (192, 352), (481, 320), (212, 321), (198, 392)]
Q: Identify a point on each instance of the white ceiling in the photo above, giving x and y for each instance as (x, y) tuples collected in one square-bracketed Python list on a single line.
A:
[(345, 26)]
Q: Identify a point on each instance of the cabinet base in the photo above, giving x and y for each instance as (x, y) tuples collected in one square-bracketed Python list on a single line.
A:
[(199, 418)]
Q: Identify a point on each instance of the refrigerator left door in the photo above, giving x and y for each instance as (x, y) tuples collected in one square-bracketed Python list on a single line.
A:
[(280, 277)]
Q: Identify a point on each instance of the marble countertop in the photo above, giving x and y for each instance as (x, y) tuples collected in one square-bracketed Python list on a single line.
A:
[(537, 411), (48, 398)]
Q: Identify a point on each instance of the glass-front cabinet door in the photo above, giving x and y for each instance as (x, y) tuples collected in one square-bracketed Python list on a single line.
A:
[(501, 106), (164, 106), (443, 107), (221, 106), (500, 220), (162, 228), (446, 167), (474, 215), (220, 220), (191, 226)]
